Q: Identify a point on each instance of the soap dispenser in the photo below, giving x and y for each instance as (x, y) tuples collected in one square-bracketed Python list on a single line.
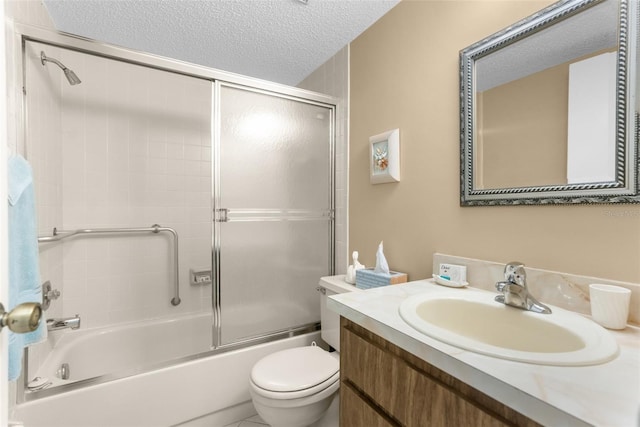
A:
[(351, 270)]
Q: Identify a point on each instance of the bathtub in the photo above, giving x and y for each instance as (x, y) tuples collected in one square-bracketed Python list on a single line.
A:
[(206, 391), (120, 349)]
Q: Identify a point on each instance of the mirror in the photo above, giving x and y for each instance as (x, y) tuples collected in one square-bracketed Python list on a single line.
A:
[(549, 108)]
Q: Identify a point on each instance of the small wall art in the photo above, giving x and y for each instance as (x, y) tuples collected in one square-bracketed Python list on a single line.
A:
[(384, 157)]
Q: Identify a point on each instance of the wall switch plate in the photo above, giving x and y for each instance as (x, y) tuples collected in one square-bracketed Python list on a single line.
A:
[(199, 277), (456, 273)]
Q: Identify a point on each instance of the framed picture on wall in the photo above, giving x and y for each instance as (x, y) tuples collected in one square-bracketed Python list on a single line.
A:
[(384, 157)]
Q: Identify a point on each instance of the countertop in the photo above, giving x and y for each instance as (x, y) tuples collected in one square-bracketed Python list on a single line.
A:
[(602, 395)]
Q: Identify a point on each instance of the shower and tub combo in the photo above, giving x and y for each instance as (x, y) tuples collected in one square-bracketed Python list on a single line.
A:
[(241, 169), (147, 381)]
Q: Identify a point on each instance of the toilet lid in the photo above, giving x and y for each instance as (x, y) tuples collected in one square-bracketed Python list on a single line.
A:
[(294, 369)]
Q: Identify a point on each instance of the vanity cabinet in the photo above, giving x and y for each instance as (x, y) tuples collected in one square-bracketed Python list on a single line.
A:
[(384, 385)]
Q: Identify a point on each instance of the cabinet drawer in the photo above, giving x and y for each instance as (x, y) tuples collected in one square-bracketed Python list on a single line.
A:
[(360, 414)]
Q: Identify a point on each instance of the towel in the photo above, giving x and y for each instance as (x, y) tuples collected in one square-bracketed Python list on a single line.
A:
[(24, 271)]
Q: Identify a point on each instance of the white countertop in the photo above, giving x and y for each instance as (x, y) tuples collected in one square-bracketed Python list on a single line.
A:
[(601, 395)]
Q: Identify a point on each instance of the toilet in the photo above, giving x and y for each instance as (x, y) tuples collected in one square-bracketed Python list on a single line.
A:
[(295, 387)]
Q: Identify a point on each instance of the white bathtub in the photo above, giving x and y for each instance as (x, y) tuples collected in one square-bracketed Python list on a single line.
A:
[(92, 353), (211, 391)]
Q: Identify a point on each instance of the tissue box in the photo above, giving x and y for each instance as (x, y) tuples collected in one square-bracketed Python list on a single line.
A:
[(366, 278)]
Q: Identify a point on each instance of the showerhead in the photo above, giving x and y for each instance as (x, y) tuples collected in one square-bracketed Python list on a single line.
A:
[(70, 75)]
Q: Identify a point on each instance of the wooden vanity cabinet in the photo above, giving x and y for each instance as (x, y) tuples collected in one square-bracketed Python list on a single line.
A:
[(383, 385)]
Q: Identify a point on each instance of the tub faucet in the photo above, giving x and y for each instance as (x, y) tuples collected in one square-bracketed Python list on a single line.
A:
[(69, 322), (515, 292)]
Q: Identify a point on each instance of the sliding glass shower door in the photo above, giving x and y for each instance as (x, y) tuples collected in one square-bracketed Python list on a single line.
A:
[(273, 202)]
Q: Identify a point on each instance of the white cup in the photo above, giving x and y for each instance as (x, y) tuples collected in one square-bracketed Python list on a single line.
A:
[(610, 305)]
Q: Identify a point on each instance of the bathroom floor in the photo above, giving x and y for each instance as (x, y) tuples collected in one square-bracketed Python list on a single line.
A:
[(329, 420), (254, 421)]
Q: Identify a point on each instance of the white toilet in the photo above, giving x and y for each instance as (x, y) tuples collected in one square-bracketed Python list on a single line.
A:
[(295, 387)]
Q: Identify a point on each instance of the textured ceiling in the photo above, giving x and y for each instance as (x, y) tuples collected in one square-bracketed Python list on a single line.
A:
[(277, 40)]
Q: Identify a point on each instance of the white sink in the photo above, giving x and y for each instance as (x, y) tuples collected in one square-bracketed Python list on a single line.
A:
[(472, 320)]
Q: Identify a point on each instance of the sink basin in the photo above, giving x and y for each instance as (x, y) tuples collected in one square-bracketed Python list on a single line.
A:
[(472, 320)]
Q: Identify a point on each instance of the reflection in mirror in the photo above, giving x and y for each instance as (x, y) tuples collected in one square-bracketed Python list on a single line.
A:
[(548, 108)]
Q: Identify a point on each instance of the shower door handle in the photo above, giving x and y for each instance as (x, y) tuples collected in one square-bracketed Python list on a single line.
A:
[(23, 318)]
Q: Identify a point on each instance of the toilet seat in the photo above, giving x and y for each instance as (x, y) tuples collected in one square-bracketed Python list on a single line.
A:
[(299, 394), (295, 373)]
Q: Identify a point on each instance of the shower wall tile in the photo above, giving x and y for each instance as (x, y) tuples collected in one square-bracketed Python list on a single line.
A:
[(44, 153), (131, 149)]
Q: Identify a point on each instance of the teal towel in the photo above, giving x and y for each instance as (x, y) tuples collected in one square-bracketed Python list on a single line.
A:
[(24, 272)]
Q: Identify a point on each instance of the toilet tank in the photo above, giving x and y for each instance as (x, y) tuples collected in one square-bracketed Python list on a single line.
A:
[(330, 319)]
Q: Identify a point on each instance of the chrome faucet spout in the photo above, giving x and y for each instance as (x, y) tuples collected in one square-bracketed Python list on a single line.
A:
[(514, 291)]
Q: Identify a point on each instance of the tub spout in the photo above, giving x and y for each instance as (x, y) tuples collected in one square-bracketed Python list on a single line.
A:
[(69, 322)]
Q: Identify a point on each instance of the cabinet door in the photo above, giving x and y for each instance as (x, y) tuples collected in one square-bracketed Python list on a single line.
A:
[(403, 391)]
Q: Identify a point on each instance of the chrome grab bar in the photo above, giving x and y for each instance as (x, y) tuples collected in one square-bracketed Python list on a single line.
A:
[(58, 235)]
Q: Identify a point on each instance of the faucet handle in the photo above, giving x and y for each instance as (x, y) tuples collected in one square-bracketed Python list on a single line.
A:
[(501, 285), (48, 295), (514, 272)]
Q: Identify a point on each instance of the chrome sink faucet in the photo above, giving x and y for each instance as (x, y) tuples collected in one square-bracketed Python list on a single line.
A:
[(515, 292), (69, 322)]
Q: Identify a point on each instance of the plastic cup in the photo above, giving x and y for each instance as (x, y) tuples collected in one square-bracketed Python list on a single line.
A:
[(609, 305)]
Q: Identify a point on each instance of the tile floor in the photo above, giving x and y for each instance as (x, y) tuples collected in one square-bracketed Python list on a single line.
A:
[(254, 421), (329, 420)]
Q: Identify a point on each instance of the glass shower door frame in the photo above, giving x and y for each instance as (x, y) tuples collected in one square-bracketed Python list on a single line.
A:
[(222, 214), (22, 33)]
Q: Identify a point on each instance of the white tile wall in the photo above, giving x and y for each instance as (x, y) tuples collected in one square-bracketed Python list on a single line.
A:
[(332, 78), (45, 156), (129, 147)]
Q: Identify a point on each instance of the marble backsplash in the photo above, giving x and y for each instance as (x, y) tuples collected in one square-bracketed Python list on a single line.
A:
[(568, 291)]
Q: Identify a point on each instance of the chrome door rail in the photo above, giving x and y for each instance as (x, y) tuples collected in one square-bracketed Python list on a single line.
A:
[(58, 235), (234, 215)]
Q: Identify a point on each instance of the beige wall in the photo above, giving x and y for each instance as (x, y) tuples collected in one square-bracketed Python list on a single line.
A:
[(404, 73), (517, 132)]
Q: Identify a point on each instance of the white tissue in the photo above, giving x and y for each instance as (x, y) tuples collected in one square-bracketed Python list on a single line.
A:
[(381, 261), (351, 270)]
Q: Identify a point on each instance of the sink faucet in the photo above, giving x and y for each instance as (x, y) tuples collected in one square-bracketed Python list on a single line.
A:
[(69, 322), (515, 292)]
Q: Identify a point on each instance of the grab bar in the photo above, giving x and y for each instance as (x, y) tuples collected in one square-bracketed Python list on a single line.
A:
[(58, 235)]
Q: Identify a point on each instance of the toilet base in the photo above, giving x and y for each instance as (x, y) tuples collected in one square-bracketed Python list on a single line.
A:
[(295, 412), (331, 418)]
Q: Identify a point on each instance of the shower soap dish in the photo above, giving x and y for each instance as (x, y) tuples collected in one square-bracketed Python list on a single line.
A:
[(446, 281)]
